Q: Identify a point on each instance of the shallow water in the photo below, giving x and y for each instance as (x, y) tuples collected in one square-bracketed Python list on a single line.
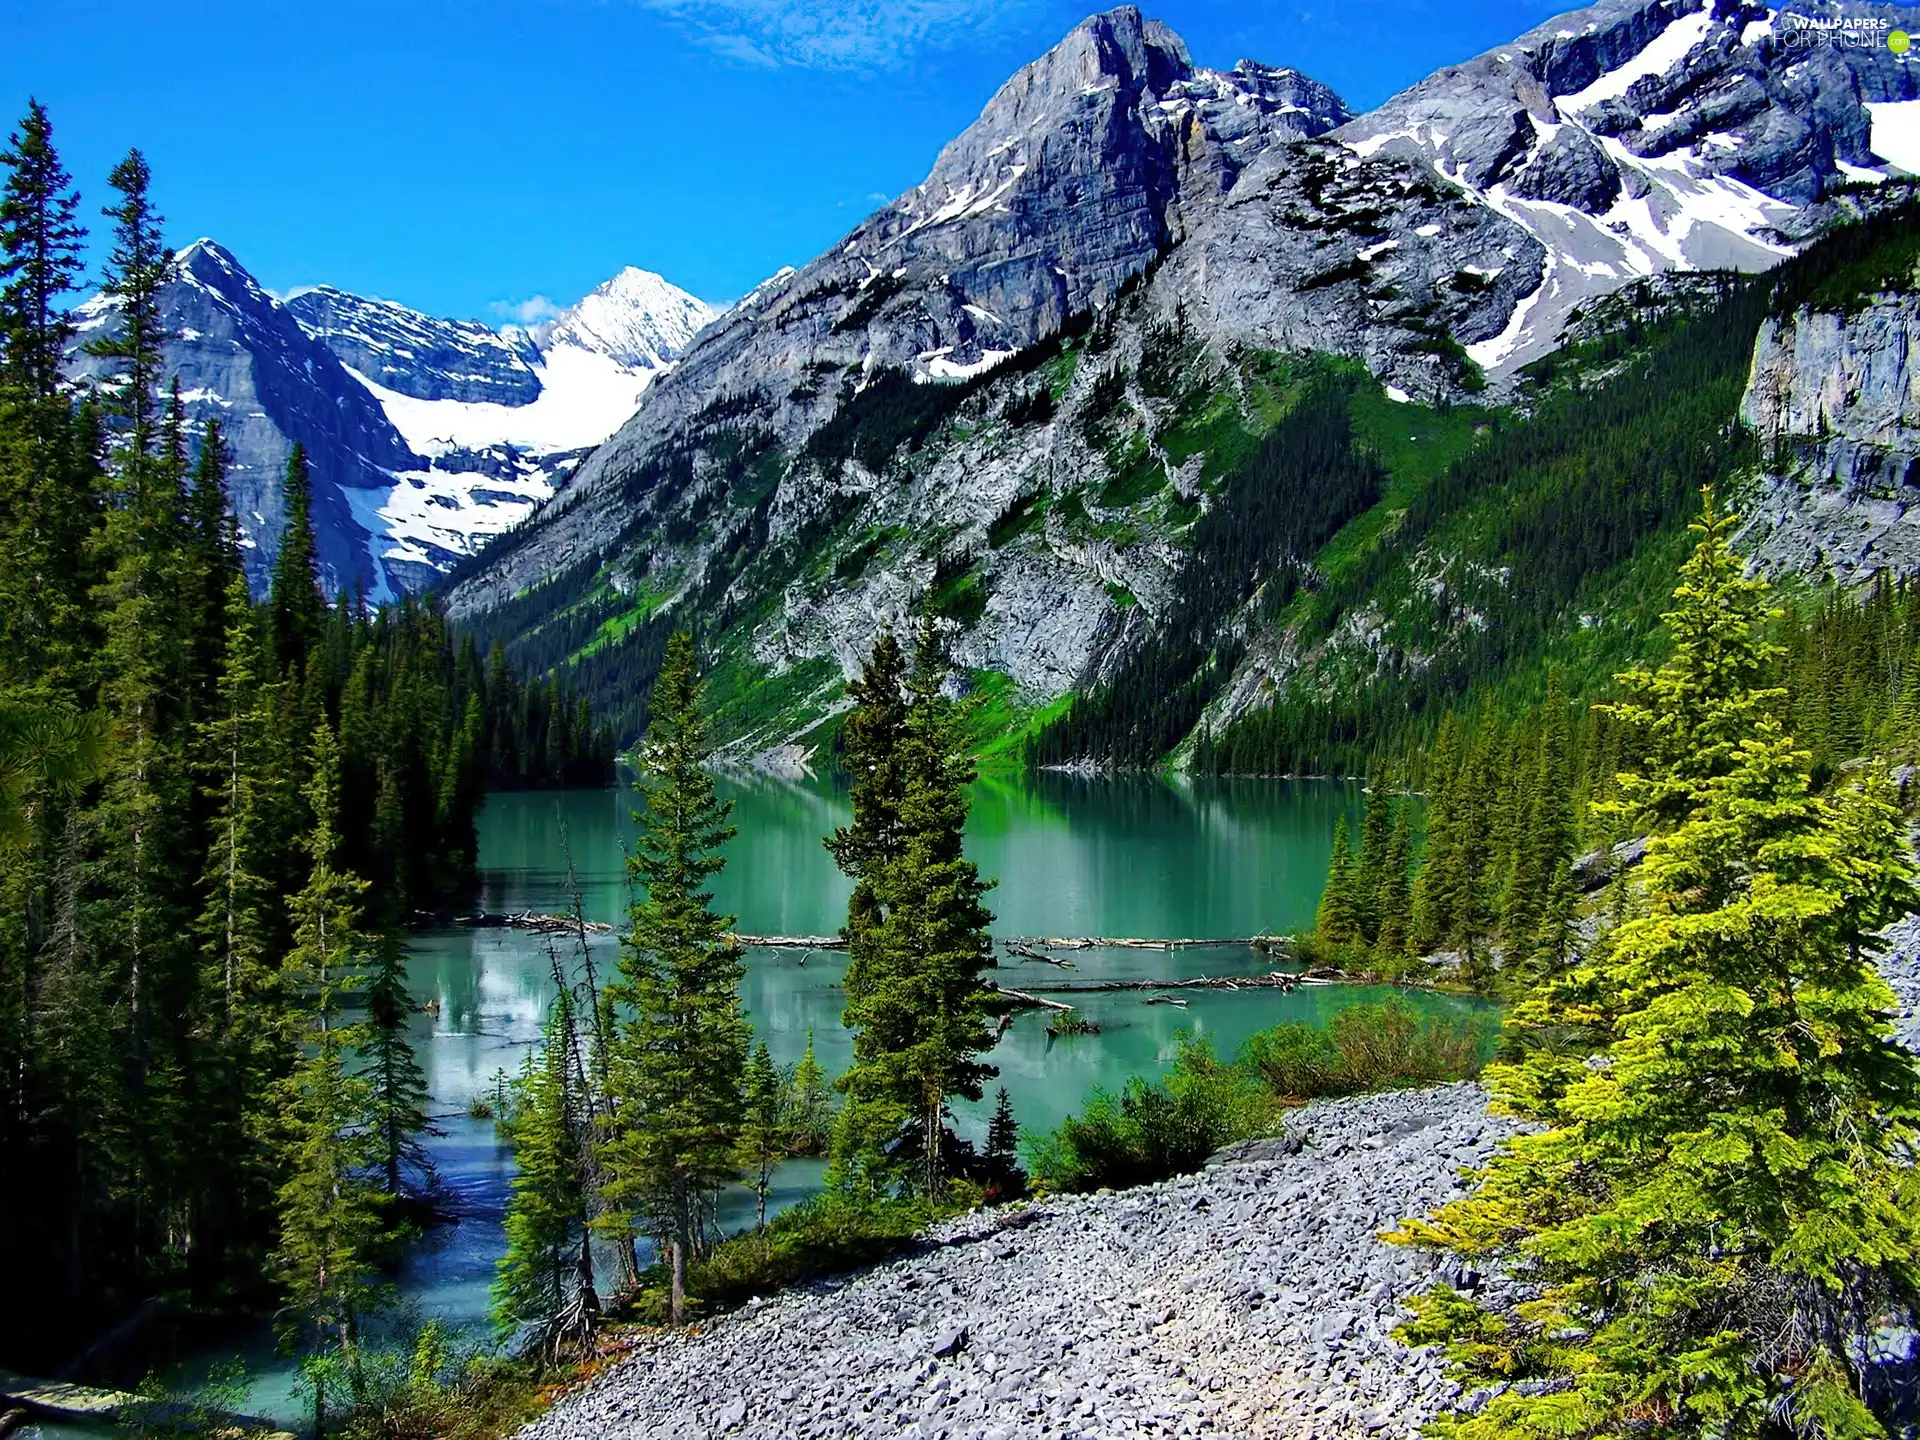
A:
[(1130, 857)]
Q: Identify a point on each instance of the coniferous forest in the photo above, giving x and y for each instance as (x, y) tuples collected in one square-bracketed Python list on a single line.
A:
[(217, 812)]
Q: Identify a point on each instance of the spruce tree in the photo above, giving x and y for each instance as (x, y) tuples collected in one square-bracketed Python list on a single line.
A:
[(328, 1207), (919, 1011), (681, 1051), (546, 1273), (1370, 870), (42, 257), (138, 266), (1719, 1204), (396, 1085), (1005, 1179), (809, 1104), (1393, 902), (763, 1129), (294, 599), (1337, 919)]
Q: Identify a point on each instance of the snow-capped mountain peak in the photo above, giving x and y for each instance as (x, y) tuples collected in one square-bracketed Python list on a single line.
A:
[(637, 318)]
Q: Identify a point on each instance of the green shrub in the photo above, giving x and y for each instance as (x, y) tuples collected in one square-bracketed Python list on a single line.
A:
[(1152, 1130), (827, 1233), (1367, 1047), (1155, 1129)]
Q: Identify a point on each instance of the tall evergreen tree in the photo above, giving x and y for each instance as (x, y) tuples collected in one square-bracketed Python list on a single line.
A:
[(138, 266), (396, 1085), (328, 1209), (680, 1054), (919, 1008), (546, 1273), (299, 611), (1337, 920), (1717, 1208), (763, 1128), (42, 257)]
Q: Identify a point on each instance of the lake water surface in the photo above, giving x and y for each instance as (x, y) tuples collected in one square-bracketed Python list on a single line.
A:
[(1125, 857)]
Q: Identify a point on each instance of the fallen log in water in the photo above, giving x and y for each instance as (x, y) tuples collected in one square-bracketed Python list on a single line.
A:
[(529, 920), (1027, 944), (791, 942), (1273, 980), (1021, 997), (1026, 952)]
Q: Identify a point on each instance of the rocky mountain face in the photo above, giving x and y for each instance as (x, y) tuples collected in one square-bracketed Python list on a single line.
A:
[(243, 359), (417, 355), (1834, 399), (426, 436), (1636, 138), (799, 481)]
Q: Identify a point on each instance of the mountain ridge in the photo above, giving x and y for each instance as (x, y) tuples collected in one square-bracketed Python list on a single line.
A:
[(425, 436)]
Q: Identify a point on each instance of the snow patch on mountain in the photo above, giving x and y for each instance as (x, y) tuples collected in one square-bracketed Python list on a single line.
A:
[(499, 417), (1896, 133), (583, 397)]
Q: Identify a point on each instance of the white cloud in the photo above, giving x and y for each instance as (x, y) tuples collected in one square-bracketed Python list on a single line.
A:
[(527, 312), (836, 34)]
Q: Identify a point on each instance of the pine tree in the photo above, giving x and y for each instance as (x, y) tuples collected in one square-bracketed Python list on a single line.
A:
[(328, 1208), (809, 1104), (396, 1085), (1720, 1203), (763, 1130), (918, 1011), (299, 612), (1370, 870), (1337, 920), (1005, 1179), (1394, 900), (42, 257), (138, 266), (678, 1059), (546, 1273)]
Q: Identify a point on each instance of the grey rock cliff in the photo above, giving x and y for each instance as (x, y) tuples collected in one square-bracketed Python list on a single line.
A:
[(1834, 398), (416, 354), (242, 357)]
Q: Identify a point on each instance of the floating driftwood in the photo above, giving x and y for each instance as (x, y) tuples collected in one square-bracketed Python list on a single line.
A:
[(791, 942), (1021, 997), (1025, 945), (1027, 952), (530, 920), (1273, 980)]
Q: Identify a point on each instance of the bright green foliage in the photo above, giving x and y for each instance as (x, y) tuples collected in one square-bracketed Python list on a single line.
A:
[(1338, 920), (916, 927), (1722, 1196), (680, 1053), (396, 1085), (809, 1105), (763, 1127), (546, 1214), (328, 1207)]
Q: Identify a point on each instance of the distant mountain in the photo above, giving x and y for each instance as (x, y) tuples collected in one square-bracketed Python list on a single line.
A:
[(1031, 391), (426, 436)]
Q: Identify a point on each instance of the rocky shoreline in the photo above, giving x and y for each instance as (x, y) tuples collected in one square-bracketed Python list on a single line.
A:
[(1254, 1299)]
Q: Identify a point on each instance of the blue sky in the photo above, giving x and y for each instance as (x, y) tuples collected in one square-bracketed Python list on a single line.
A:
[(475, 157)]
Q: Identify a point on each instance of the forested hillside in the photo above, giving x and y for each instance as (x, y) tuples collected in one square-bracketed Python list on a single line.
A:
[(214, 817)]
